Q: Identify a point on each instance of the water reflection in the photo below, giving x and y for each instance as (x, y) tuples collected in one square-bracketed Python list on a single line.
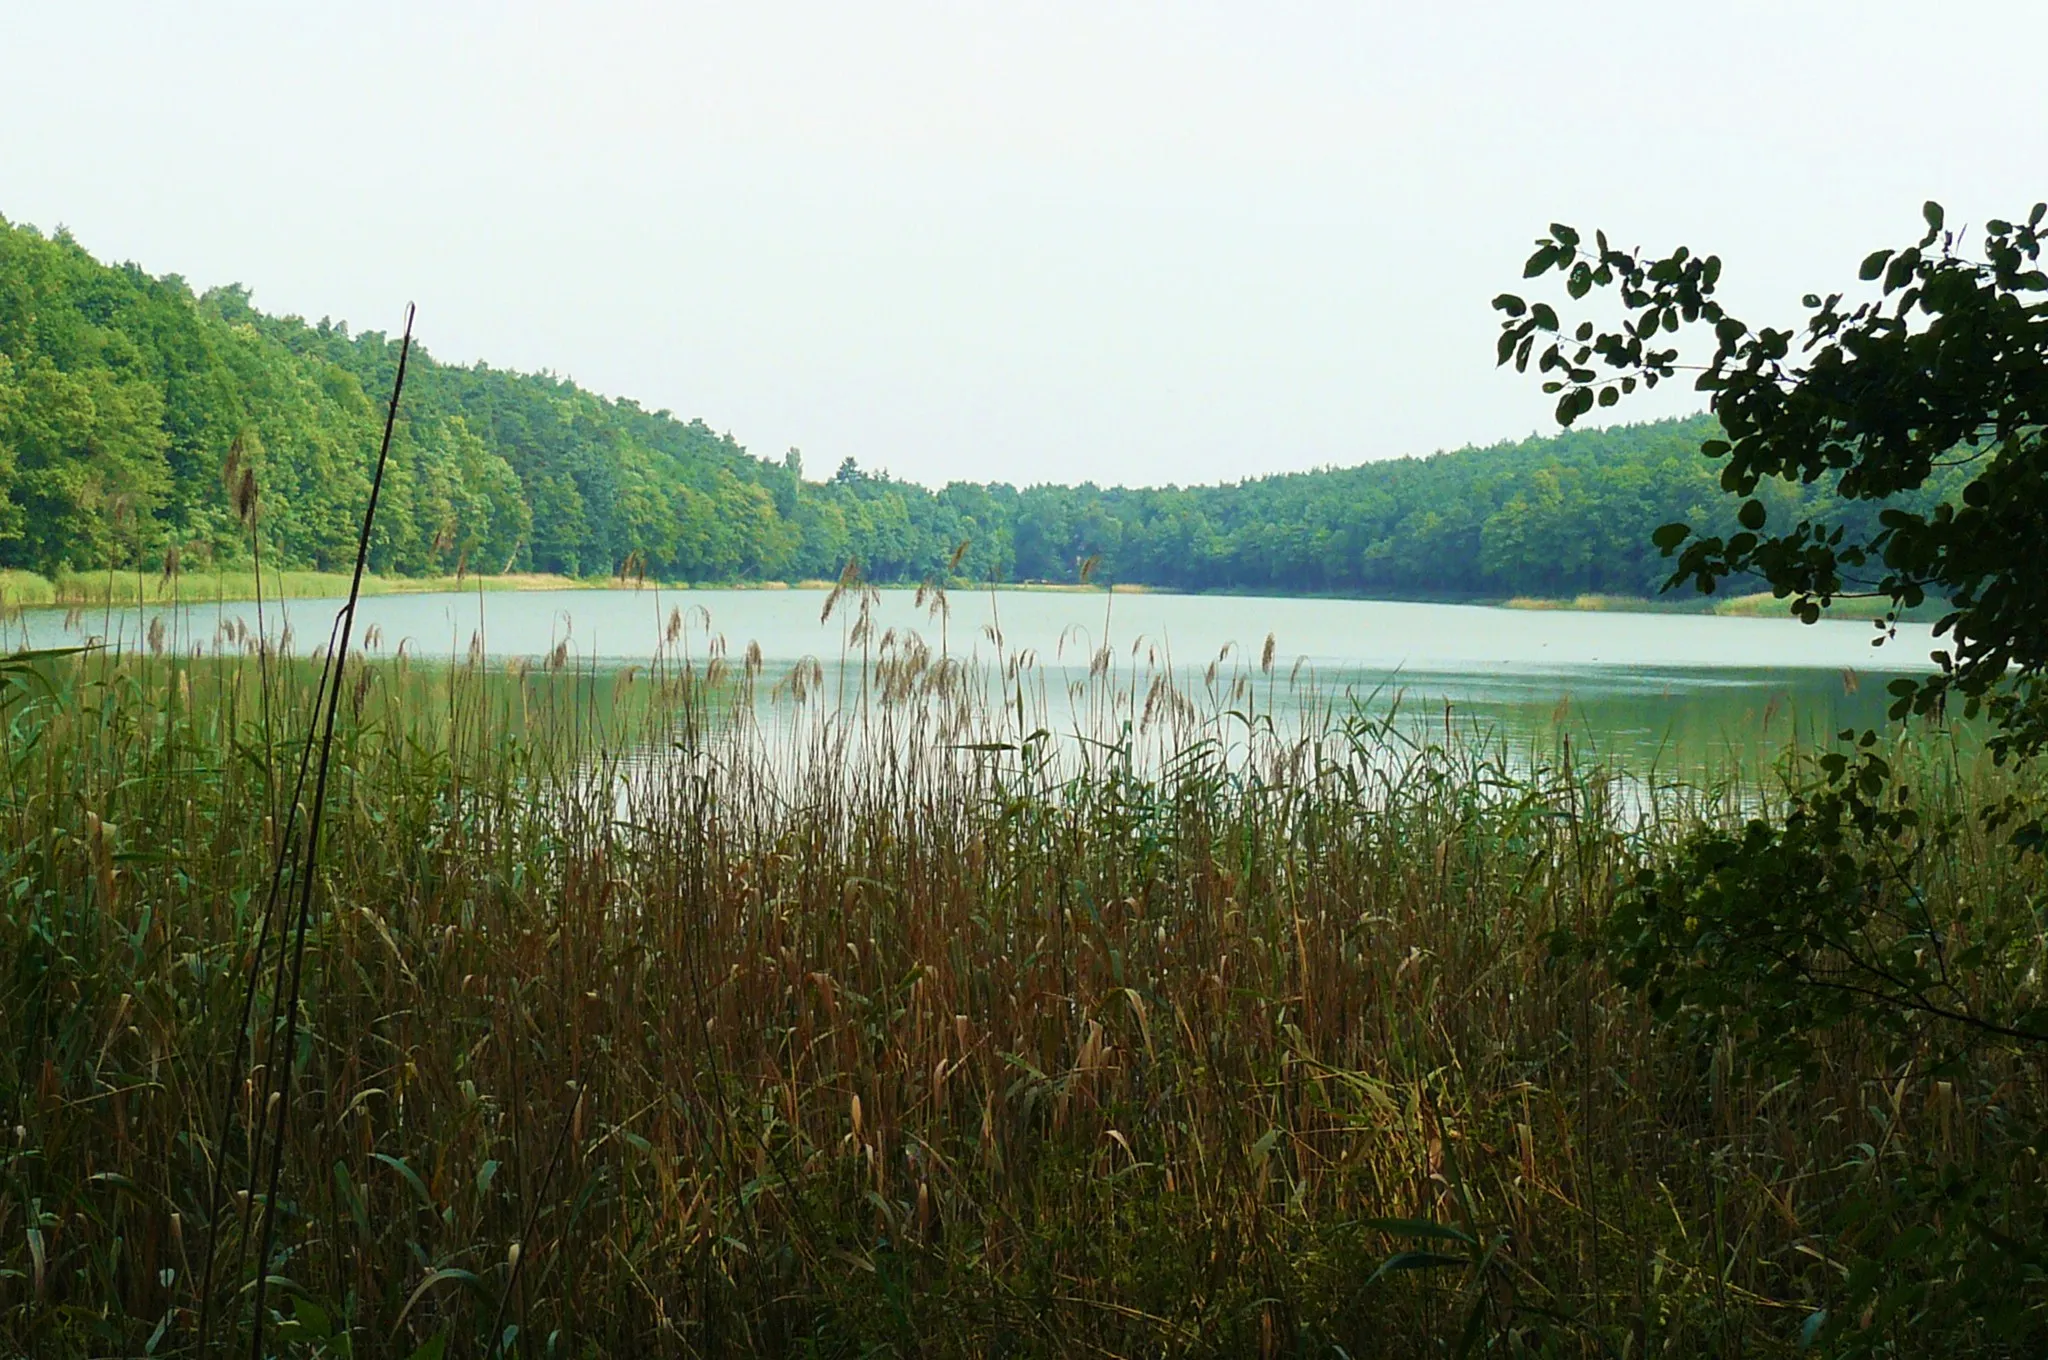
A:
[(861, 674)]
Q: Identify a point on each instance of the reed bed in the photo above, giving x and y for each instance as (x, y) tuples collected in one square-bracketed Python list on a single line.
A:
[(24, 589), (688, 1010), (203, 585)]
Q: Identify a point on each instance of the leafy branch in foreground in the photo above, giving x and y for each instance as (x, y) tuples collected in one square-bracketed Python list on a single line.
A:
[(1778, 932), (1946, 367), (1839, 911)]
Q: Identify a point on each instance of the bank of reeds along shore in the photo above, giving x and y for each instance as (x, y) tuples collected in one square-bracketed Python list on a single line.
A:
[(635, 1025), (131, 588)]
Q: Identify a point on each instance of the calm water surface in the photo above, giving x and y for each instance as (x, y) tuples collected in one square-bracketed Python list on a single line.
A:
[(1645, 688)]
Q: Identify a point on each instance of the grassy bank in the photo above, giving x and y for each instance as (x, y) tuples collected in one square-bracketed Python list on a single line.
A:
[(1612, 604), (26, 589), (1762, 605), (1766, 605), (97, 588), (948, 1048)]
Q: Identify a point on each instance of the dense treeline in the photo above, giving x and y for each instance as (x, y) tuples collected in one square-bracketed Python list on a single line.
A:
[(122, 394)]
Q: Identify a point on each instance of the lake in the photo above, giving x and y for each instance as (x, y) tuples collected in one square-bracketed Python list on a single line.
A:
[(1646, 689)]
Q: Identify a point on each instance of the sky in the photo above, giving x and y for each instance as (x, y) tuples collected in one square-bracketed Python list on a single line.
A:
[(1014, 241)]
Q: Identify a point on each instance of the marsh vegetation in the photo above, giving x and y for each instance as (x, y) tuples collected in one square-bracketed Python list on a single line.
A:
[(925, 1032)]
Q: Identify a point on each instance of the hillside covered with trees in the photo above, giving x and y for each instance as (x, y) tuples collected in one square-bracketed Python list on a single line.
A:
[(122, 395)]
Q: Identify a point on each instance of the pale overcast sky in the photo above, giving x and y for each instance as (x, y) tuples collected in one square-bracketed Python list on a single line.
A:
[(1017, 241)]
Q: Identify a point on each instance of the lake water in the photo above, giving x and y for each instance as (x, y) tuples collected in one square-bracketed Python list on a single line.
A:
[(1642, 688)]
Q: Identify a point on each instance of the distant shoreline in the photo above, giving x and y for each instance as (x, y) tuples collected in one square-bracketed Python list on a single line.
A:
[(96, 590)]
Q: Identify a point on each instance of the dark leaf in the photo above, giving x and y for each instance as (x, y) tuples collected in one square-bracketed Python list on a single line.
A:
[(1416, 1260), (1419, 1227)]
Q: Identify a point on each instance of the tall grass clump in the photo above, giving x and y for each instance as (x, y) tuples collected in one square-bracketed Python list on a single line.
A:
[(690, 1010), (21, 589)]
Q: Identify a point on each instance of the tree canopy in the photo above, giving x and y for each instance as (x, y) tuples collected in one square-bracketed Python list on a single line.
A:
[(1938, 380)]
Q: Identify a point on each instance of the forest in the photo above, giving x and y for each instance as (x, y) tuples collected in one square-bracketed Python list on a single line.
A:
[(127, 401)]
